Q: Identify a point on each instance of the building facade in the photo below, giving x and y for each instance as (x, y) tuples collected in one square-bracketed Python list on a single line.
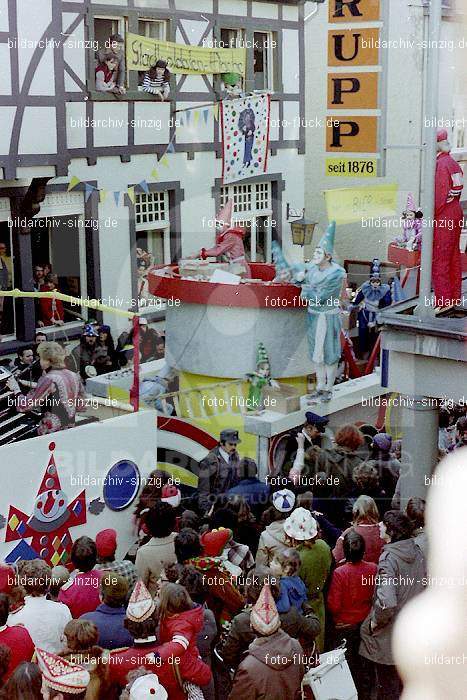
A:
[(80, 154)]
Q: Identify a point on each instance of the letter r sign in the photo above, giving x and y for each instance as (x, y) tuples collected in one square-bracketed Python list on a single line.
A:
[(354, 10)]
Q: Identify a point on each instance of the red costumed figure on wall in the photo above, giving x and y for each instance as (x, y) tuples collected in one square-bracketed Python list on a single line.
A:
[(446, 270), (229, 242)]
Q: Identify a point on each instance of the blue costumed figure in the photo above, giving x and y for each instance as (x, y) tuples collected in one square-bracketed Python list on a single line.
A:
[(372, 296), (322, 282)]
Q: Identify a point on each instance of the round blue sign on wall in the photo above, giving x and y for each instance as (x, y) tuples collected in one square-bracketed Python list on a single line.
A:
[(121, 485)]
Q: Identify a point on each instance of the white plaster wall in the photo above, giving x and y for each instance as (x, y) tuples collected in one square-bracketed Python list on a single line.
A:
[(4, 24), (33, 19), (5, 74)]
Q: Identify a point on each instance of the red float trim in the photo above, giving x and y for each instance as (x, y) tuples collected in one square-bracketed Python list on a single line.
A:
[(181, 427)]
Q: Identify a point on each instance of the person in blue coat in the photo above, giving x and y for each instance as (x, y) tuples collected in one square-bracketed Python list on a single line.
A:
[(110, 614), (254, 491)]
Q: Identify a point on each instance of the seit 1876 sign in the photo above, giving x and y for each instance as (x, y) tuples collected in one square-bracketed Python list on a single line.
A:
[(353, 86)]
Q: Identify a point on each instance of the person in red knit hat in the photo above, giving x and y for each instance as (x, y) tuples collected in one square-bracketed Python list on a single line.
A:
[(15, 637)]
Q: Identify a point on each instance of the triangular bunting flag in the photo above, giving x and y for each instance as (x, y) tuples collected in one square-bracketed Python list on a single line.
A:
[(144, 186), (170, 148), (88, 190), (117, 197), (196, 116), (102, 196), (155, 174), (73, 182), (216, 110), (131, 194), (205, 115), (165, 161), (188, 118)]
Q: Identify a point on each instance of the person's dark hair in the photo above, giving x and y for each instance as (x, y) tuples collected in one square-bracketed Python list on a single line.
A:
[(247, 468), (192, 580), (239, 505), (145, 629), (444, 419), (160, 520), (258, 578), (159, 64), (5, 656), (305, 500), (84, 554), (224, 517), (23, 350), (116, 37), (152, 490), (461, 425), (354, 547), (398, 525), (366, 476), (189, 519), (416, 511), (4, 608), (187, 545), (24, 683), (271, 515), (66, 696)]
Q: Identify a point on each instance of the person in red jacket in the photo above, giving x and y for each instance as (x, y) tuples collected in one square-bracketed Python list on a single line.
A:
[(171, 669), (82, 592), (180, 622), (349, 601), (16, 638), (446, 269)]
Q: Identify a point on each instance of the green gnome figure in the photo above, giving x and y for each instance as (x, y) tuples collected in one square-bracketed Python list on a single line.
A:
[(258, 380)]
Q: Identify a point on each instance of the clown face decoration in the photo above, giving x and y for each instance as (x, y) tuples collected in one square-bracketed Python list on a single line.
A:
[(50, 507)]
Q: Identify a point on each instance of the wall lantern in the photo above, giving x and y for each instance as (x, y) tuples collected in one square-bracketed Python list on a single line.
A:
[(302, 229)]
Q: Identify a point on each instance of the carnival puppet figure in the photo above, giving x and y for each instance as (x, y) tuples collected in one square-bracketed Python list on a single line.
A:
[(246, 124), (371, 297), (323, 283), (447, 266), (229, 243), (411, 238), (259, 379)]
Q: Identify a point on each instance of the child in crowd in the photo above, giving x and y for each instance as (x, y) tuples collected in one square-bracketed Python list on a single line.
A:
[(180, 620), (156, 80), (105, 73), (293, 593)]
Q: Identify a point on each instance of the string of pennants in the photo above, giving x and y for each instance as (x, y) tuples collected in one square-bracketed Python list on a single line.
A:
[(184, 118)]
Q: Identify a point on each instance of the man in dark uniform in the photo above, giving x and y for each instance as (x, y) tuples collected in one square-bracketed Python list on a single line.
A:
[(218, 471)]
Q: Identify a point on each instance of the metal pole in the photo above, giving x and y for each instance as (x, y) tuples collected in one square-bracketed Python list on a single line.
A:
[(430, 116)]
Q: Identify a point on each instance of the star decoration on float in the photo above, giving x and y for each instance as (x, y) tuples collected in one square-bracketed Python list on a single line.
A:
[(51, 520)]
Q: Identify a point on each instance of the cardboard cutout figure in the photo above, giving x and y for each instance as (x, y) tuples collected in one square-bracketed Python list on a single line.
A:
[(446, 268), (372, 296), (322, 283)]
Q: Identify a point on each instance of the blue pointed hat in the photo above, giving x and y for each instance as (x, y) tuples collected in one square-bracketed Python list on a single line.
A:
[(327, 241)]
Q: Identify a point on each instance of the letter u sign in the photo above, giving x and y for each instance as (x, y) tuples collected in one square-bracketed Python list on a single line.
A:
[(353, 47)]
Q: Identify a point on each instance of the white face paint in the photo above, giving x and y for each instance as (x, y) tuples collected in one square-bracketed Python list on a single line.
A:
[(318, 256)]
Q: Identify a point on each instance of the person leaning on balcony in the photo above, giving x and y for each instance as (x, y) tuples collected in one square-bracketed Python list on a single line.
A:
[(156, 80), (105, 73), (115, 45)]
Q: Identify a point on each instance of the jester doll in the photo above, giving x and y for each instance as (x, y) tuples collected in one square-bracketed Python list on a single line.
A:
[(411, 238), (323, 284), (259, 379), (371, 297)]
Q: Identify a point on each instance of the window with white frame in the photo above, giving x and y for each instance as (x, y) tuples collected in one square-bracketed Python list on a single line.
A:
[(152, 29), (104, 28), (264, 59), (252, 209), (233, 39), (152, 223)]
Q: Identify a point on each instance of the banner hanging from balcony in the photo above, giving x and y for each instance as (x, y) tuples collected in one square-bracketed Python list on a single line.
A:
[(143, 52), (245, 137)]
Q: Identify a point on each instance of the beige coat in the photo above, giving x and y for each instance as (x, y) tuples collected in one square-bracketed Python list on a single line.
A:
[(151, 558)]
